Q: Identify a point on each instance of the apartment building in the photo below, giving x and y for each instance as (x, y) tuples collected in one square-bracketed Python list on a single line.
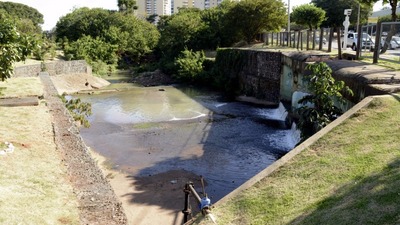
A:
[(151, 7), (168, 7)]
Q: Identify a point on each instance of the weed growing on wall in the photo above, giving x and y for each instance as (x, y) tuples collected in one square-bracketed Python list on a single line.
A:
[(319, 107), (79, 110)]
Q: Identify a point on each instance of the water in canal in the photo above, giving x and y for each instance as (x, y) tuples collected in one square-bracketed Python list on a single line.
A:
[(145, 131)]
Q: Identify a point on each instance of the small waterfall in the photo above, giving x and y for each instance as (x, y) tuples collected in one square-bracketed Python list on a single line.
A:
[(285, 140), (280, 113), (294, 136)]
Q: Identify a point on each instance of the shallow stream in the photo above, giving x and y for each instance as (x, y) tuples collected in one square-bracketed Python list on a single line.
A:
[(145, 131)]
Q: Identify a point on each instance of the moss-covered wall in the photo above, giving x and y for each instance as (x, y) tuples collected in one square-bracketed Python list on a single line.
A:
[(250, 72)]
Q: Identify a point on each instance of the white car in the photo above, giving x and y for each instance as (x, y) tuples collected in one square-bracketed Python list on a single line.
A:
[(397, 40), (317, 40), (366, 41), (393, 44)]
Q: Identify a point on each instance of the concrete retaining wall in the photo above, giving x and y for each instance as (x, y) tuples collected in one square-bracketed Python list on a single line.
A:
[(53, 68), (251, 73), (273, 76)]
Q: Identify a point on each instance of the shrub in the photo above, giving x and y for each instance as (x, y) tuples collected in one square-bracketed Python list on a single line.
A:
[(79, 110), (319, 107), (189, 65)]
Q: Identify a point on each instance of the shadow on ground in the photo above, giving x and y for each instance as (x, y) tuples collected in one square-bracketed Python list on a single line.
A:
[(363, 201)]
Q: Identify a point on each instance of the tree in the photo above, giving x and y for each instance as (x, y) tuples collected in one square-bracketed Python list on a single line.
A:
[(128, 6), (21, 11), (309, 15), (131, 37), (92, 50), (251, 17), (179, 31), (81, 22), (335, 9), (13, 47), (319, 107)]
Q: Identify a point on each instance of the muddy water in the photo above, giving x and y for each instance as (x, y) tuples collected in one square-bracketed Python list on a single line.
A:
[(149, 131)]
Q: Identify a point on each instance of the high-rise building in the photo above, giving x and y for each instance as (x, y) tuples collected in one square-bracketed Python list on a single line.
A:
[(151, 7), (168, 7)]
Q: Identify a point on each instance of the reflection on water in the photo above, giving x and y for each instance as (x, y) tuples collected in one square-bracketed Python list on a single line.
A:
[(140, 105), (147, 131)]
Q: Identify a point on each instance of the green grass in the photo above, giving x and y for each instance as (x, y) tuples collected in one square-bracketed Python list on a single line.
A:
[(390, 64), (34, 184), (21, 87), (350, 176)]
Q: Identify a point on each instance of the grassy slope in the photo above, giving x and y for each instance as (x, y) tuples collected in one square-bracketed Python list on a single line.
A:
[(350, 176), (33, 185)]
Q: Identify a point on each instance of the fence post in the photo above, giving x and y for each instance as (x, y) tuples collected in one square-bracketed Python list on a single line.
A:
[(321, 37), (339, 43), (313, 39), (330, 39), (287, 38), (377, 43), (298, 40), (291, 41), (359, 47)]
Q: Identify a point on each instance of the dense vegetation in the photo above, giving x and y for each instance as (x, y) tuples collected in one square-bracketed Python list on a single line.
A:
[(229, 24), (14, 46), (104, 37), (26, 18)]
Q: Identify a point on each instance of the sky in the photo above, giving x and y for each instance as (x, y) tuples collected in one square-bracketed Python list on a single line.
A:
[(52, 10)]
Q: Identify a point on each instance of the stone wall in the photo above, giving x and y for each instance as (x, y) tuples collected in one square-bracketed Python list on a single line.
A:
[(253, 73), (53, 68)]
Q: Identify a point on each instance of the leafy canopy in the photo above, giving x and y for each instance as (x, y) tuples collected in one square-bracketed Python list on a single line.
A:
[(128, 6), (308, 14), (251, 17), (122, 34), (23, 12), (335, 11), (179, 31), (13, 47)]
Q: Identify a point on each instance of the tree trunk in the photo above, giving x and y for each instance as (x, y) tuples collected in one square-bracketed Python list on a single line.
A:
[(393, 5)]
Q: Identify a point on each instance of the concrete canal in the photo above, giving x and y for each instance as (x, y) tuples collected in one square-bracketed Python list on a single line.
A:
[(162, 137)]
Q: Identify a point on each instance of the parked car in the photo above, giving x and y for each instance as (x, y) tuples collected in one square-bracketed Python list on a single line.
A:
[(396, 39), (393, 44), (366, 41), (317, 40)]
